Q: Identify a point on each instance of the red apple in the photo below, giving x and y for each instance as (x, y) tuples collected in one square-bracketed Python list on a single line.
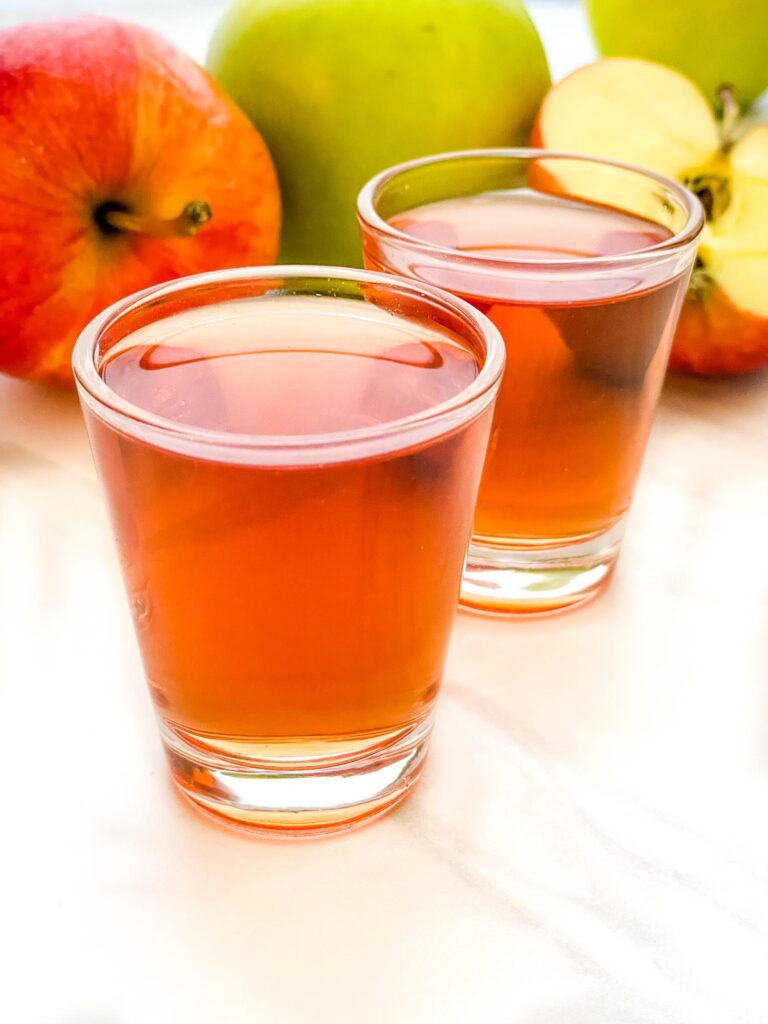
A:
[(647, 114), (122, 164)]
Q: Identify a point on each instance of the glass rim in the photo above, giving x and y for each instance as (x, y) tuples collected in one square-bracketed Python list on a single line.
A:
[(130, 417), (369, 217)]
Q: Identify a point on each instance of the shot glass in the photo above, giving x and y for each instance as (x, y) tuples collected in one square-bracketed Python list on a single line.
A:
[(583, 265), (291, 458)]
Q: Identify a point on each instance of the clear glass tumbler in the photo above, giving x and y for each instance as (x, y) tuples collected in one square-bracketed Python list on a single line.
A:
[(291, 457), (583, 265)]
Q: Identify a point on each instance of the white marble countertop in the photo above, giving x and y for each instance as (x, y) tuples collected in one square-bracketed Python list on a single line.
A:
[(589, 844)]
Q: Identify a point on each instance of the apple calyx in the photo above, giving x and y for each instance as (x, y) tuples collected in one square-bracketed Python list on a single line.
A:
[(712, 189), (711, 184), (701, 281), (115, 218)]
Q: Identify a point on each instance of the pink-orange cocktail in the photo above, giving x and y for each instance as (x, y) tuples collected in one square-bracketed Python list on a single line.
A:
[(586, 295), (292, 514)]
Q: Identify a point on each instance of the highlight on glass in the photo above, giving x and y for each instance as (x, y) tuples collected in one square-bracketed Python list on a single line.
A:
[(583, 265), (291, 458)]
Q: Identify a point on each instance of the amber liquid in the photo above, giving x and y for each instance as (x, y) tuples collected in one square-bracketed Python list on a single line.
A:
[(585, 359), (279, 598)]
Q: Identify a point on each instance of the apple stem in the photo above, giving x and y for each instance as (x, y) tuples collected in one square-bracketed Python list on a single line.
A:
[(729, 116), (189, 221)]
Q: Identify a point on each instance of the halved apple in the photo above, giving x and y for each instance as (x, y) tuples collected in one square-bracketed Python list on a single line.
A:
[(647, 114)]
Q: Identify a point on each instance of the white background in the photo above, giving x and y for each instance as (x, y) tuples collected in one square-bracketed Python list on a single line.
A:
[(589, 843)]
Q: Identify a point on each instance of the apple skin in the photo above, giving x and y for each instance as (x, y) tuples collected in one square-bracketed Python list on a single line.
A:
[(712, 42), (713, 337), (342, 89), (95, 111)]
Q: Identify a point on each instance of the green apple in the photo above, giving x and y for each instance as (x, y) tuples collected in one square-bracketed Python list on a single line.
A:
[(712, 42), (341, 89)]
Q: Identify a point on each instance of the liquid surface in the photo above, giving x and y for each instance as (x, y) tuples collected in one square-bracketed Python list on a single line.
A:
[(586, 355), (289, 366), (529, 225)]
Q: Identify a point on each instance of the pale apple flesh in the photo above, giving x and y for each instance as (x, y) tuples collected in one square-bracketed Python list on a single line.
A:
[(647, 114), (724, 324)]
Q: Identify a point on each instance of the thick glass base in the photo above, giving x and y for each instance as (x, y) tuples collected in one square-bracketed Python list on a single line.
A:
[(297, 790), (517, 578)]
